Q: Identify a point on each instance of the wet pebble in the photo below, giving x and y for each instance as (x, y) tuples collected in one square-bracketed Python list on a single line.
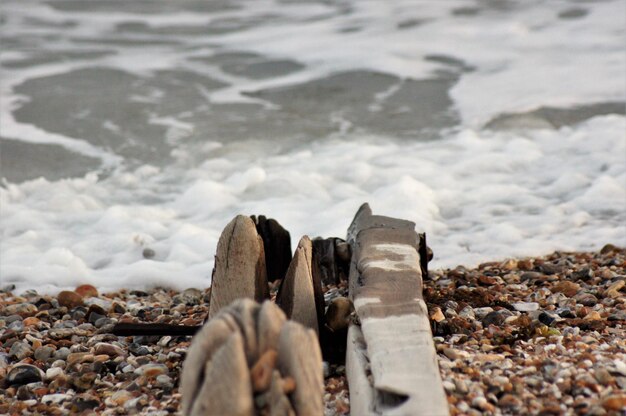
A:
[(23, 374), (586, 299), (69, 299), (86, 291), (151, 370), (20, 350), (108, 349), (496, 317), (43, 353)]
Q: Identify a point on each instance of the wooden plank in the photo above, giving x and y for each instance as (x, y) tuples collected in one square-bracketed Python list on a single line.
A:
[(357, 365), (394, 348)]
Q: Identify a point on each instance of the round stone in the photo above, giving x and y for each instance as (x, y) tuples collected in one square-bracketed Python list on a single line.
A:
[(24, 374), (86, 291), (69, 299)]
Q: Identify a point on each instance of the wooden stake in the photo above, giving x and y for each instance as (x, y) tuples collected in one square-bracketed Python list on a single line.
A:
[(239, 265)]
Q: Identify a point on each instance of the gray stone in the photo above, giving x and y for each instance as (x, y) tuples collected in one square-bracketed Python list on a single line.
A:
[(62, 353), (496, 317), (586, 299), (43, 353), (12, 318), (20, 350)]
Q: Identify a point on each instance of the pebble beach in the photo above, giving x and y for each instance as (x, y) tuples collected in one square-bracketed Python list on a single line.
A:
[(540, 335), (534, 336)]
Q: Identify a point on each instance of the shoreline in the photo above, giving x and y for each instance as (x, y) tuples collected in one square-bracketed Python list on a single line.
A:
[(521, 356)]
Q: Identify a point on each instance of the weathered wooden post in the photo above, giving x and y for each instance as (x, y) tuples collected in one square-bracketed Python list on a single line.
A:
[(249, 360), (393, 343), (239, 269), (300, 293)]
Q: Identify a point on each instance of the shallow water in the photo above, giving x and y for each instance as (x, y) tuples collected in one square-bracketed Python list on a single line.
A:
[(498, 127)]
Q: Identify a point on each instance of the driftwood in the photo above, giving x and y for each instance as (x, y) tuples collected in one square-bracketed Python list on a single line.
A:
[(277, 245), (239, 269), (394, 340), (300, 293), (249, 360)]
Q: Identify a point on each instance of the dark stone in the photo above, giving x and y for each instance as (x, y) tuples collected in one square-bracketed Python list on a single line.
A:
[(496, 317), (24, 393), (532, 276), (547, 318), (189, 297), (138, 350), (117, 308), (24, 374), (84, 402), (605, 250), (85, 381), (133, 387), (146, 339), (586, 299), (549, 268), (94, 317), (104, 321), (583, 274), (138, 293), (79, 313), (94, 313), (617, 316), (111, 366), (97, 367), (566, 313)]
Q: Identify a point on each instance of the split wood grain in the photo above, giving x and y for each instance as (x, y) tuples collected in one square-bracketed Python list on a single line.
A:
[(300, 293), (239, 269)]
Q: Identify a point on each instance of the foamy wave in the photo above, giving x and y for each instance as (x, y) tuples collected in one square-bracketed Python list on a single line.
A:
[(478, 196)]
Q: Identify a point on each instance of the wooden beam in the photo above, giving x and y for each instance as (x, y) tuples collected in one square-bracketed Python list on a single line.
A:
[(391, 359)]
